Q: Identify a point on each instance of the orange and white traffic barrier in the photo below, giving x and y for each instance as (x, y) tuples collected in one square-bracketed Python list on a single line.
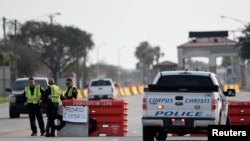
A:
[(134, 90), (239, 112), (140, 89), (120, 92), (126, 91), (106, 117)]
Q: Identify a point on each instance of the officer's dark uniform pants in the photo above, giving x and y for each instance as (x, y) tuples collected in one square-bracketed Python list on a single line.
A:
[(35, 112), (51, 114)]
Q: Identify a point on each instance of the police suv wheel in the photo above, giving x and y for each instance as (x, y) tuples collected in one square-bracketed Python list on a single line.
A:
[(148, 133), (228, 121), (161, 135), (13, 114)]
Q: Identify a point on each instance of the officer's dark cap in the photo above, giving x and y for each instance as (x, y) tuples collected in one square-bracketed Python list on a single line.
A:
[(69, 79), (31, 78)]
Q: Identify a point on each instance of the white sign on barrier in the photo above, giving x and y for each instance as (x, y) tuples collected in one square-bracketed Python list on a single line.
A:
[(75, 113)]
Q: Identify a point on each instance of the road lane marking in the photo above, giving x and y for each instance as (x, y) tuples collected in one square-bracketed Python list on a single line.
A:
[(115, 139), (134, 132), (12, 133)]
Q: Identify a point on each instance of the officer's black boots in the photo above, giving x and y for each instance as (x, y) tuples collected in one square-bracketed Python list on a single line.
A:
[(34, 134)]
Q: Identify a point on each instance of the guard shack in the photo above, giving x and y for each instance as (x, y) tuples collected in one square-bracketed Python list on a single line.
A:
[(211, 45)]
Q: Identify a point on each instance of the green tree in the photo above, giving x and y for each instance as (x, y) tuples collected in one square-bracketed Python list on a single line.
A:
[(81, 43), (157, 54), (56, 46), (26, 61), (244, 44), (6, 58)]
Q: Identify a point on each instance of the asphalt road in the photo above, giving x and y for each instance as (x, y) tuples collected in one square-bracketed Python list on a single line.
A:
[(18, 129)]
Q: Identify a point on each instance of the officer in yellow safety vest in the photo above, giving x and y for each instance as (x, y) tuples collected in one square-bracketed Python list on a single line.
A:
[(32, 94), (52, 98), (71, 92)]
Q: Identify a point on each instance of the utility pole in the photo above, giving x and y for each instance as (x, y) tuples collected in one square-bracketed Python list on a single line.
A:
[(15, 38), (51, 16), (4, 30), (14, 65)]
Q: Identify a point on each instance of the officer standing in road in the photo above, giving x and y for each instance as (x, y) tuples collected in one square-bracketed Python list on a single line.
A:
[(71, 92), (32, 94), (51, 99)]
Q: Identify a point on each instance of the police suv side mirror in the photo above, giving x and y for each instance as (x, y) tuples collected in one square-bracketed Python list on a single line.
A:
[(86, 86), (145, 89), (8, 90), (116, 85), (230, 92)]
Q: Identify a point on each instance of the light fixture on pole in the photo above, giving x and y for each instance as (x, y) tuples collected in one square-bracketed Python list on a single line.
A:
[(235, 19), (244, 23), (51, 16)]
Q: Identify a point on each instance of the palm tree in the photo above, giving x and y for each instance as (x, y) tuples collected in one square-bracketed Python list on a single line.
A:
[(147, 55)]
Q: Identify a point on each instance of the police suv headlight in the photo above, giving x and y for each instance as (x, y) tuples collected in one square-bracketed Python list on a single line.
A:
[(110, 96), (90, 96), (12, 99)]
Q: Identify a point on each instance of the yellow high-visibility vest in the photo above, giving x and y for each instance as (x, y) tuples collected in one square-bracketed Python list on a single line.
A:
[(36, 94), (70, 92), (55, 93)]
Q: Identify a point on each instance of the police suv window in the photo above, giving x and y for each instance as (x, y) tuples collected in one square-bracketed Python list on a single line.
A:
[(220, 85), (42, 83), (184, 80), (101, 83), (20, 85)]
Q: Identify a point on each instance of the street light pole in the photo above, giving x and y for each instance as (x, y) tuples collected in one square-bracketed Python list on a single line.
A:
[(97, 58), (242, 64), (119, 68), (244, 23), (235, 19), (51, 16)]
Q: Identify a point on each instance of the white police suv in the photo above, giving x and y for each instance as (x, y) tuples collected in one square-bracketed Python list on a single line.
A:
[(183, 102)]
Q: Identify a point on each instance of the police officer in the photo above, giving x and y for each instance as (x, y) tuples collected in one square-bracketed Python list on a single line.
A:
[(32, 94), (51, 99), (71, 92)]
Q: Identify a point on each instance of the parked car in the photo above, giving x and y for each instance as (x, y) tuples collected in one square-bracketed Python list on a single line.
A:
[(16, 99), (101, 89)]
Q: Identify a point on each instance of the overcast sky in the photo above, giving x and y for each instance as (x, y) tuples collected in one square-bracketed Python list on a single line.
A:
[(123, 24)]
